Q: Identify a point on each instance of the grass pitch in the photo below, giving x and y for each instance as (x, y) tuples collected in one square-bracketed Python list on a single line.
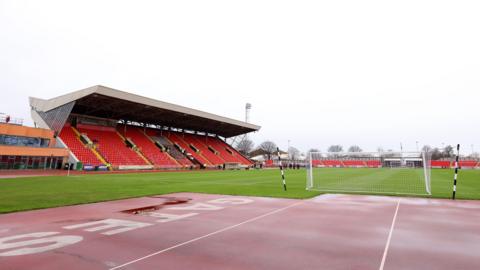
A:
[(19, 194)]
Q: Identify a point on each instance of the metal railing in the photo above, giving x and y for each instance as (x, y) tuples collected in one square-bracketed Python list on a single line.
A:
[(4, 118)]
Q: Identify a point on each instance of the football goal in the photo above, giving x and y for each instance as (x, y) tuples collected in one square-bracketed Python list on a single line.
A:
[(405, 173)]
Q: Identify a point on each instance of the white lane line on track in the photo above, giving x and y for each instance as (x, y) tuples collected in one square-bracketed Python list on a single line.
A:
[(385, 252), (207, 235)]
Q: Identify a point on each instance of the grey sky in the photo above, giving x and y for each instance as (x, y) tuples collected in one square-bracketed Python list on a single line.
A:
[(372, 73)]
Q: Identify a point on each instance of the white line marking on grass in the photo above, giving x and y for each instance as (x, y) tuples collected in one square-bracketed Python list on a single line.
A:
[(207, 235), (385, 252)]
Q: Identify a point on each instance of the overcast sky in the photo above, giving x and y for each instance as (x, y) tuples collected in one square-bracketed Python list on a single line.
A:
[(372, 73)]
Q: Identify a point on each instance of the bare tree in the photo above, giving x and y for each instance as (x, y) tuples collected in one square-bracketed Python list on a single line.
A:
[(448, 151), (245, 146), (335, 148), (293, 153), (427, 148), (355, 148), (436, 154), (269, 147)]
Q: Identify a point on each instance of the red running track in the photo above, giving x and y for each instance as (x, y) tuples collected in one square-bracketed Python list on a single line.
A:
[(199, 231)]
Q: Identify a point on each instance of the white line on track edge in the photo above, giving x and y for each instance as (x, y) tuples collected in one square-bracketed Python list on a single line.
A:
[(207, 235), (387, 245)]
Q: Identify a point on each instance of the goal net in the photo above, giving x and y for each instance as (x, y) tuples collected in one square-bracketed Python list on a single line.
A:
[(375, 172)]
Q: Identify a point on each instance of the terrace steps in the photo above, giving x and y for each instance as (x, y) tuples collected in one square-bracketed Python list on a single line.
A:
[(92, 149)]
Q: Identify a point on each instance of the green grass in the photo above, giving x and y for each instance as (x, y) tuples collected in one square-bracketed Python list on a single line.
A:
[(19, 194)]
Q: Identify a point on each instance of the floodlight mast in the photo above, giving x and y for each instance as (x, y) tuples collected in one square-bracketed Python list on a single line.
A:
[(248, 106), (240, 138)]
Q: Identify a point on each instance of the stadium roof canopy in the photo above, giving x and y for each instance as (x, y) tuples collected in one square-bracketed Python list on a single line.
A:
[(104, 102)]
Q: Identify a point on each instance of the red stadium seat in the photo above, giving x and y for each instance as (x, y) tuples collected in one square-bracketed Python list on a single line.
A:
[(81, 151), (354, 163), (228, 151), (111, 146), (317, 163), (148, 148), (172, 150), (468, 164), (179, 139), (374, 163), (200, 142), (269, 163), (332, 163), (440, 164)]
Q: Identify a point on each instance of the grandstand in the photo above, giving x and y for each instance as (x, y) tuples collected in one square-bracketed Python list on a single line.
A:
[(104, 128)]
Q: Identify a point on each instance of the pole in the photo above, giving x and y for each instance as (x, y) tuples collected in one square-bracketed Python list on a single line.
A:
[(310, 172), (281, 170), (456, 172), (402, 160)]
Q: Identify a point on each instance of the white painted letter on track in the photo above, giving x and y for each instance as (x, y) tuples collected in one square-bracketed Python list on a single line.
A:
[(35, 240), (125, 225), (163, 218), (197, 207), (231, 201)]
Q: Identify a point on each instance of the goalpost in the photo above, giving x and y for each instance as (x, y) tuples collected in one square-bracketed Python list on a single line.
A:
[(405, 173)]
